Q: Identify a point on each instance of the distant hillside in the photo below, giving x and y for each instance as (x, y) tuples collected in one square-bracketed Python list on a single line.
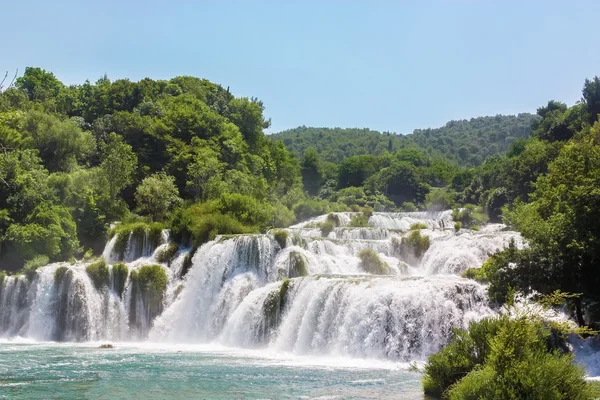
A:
[(467, 142)]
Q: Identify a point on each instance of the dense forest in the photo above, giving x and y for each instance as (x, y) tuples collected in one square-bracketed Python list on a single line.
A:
[(466, 142)]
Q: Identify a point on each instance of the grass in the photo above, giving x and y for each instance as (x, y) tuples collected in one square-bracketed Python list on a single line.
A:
[(360, 221), (31, 266), (98, 273), (417, 226), (371, 263), (281, 237)]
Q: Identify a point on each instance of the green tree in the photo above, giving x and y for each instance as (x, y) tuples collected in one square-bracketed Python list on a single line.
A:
[(118, 163), (39, 84), (156, 195), (311, 172)]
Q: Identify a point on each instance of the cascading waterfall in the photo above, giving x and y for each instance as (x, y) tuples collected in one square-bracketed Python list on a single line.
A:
[(312, 296)]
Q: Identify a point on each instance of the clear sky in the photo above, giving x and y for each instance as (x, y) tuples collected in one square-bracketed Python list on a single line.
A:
[(386, 65)]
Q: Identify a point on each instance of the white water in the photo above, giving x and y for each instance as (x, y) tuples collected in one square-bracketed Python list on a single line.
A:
[(237, 292)]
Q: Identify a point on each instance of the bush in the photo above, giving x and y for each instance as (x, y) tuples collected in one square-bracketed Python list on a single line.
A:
[(334, 219), (168, 254), (281, 237), (119, 273), (152, 231), (418, 226), (360, 221), (477, 274), (98, 273), (521, 366), (355, 208), (503, 358), (150, 281), (439, 199), (310, 208), (371, 263), (326, 228), (31, 266), (469, 216), (2, 277), (412, 246), (408, 207), (59, 274), (457, 226), (202, 222)]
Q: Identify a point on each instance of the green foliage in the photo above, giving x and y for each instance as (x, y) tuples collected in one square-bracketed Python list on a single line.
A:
[(507, 358), (457, 226), (156, 195), (31, 266), (371, 263), (439, 199), (521, 366), (98, 273), (469, 216), (136, 231), (478, 274), (167, 254), (412, 246), (298, 265), (59, 274), (417, 226), (359, 221), (152, 278), (326, 228), (281, 237), (119, 273), (118, 163), (334, 219)]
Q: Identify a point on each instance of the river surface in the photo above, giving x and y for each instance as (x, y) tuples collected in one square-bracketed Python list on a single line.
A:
[(155, 371)]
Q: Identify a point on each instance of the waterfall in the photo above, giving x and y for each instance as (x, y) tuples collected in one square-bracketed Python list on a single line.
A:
[(307, 295)]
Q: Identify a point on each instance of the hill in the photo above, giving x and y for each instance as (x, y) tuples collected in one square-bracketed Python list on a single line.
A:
[(468, 142)]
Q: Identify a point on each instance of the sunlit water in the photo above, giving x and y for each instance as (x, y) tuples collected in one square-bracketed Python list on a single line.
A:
[(145, 371)]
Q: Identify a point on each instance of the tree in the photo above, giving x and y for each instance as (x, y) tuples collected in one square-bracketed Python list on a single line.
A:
[(118, 163), (39, 84), (156, 195), (311, 172), (591, 97)]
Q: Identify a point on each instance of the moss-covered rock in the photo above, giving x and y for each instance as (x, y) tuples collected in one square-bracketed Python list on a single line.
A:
[(371, 263), (281, 237), (187, 264), (150, 282), (412, 246), (298, 265), (119, 277), (417, 226), (136, 231), (59, 274), (98, 273), (326, 228), (167, 254), (2, 277), (360, 221), (334, 219)]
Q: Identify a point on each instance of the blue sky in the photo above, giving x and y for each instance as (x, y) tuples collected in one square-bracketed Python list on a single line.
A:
[(386, 65)]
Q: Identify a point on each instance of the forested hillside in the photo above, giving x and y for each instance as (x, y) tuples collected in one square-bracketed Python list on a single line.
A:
[(467, 142)]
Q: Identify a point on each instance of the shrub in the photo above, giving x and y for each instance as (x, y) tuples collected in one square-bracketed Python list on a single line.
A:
[(408, 207), (98, 273), (119, 274), (412, 246), (417, 226), (439, 199), (310, 208), (31, 266), (477, 274), (457, 226), (281, 237), (504, 358), (202, 222), (371, 263), (360, 221), (167, 254), (2, 277), (521, 366), (326, 228), (138, 230), (469, 216), (355, 208), (334, 219)]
